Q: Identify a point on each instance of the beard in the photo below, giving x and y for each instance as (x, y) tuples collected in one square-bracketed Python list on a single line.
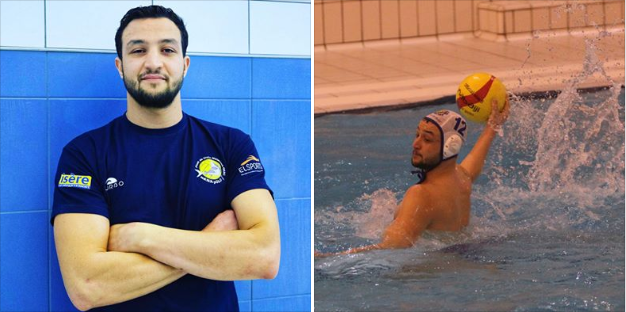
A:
[(157, 100), (424, 164)]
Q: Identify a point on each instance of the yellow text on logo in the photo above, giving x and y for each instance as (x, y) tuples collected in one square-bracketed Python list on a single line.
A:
[(249, 159), (71, 180)]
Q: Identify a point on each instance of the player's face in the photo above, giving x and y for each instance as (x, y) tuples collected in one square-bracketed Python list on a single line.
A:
[(152, 64), (426, 146)]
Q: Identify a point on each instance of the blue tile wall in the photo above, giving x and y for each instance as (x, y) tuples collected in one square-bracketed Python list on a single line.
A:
[(84, 75), (24, 149), (294, 276), (48, 98), (245, 306), (211, 77), (282, 132), (22, 74), (281, 78), (244, 290), (24, 265), (290, 304)]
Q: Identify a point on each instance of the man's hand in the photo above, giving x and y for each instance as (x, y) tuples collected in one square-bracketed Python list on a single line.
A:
[(125, 237), (497, 117)]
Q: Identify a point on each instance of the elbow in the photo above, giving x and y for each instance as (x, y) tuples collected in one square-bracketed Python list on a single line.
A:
[(271, 264), (80, 300), (83, 295), (271, 271)]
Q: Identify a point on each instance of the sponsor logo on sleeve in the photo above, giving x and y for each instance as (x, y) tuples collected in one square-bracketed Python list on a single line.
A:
[(250, 165), (72, 180), (112, 183), (210, 169)]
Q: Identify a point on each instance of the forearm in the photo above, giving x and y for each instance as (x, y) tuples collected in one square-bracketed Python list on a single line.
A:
[(227, 255), (475, 160), (96, 276), (106, 278)]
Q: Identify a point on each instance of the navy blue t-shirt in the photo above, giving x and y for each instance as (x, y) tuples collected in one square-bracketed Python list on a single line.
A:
[(179, 177)]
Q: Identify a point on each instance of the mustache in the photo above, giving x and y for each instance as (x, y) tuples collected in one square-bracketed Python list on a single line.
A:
[(149, 72)]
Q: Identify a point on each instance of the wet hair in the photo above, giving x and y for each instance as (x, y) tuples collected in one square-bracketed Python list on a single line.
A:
[(151, 11)]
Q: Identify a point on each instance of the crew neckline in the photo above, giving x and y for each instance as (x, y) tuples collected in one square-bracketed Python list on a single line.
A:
[(159, 131)]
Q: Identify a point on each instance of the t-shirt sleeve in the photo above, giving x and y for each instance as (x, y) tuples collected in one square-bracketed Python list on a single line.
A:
[(76, 187), (247, 171)]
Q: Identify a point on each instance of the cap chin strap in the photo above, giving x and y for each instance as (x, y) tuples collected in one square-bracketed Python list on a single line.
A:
[(421, 173)]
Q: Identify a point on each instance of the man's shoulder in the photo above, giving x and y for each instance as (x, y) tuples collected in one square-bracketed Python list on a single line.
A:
[(92, 137), (216, 129), (418, 189)]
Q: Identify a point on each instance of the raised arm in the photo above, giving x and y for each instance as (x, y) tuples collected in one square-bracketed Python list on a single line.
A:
[(94, 277), (475, 160), (253, 252)]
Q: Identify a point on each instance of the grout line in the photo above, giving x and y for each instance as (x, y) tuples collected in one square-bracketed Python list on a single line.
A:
[(23, 98), (380, 21), (343, 26), (436, 24), (284, 297), (361, 19), (22, 212), (417, 17), (84, 50), (45, 24), (293, 198), (399, 20), (454, 16), (49, 201), (248, 26)]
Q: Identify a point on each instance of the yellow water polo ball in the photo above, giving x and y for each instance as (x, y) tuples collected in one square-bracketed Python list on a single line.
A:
[(475, 94)]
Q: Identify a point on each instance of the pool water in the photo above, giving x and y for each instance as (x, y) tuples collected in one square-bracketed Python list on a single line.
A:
[(547, 224)]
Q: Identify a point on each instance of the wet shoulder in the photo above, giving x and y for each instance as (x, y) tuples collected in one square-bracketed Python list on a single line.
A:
[(420, 193)]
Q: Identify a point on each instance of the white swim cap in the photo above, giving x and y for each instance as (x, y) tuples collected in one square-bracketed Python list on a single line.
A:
[(453, 128)]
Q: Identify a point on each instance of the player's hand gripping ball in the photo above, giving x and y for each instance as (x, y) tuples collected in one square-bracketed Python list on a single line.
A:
[(475, 94)]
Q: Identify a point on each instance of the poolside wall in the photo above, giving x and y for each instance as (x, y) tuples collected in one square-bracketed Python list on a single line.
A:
[(362, 21), (250, 69)]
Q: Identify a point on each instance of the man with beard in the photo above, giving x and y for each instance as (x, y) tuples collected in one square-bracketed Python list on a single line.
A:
[(440, 201), (159, 210)]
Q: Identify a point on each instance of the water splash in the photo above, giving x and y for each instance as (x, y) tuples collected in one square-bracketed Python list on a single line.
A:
[(578, 142), (366, 217), (565, 156)]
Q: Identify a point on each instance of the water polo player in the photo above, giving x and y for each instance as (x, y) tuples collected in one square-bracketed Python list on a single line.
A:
[(440, 201)]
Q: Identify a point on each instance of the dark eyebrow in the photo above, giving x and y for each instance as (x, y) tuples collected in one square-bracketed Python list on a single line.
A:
[(139, 41), (426, 131), (173, 41), (134, 42)]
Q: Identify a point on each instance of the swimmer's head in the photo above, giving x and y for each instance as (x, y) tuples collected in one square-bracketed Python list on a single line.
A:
[(443, 134)]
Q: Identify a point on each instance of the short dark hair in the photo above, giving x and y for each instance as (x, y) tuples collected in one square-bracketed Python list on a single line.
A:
[(151, 11)]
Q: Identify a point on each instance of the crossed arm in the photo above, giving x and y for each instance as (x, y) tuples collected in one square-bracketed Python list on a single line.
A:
[(104, 265)]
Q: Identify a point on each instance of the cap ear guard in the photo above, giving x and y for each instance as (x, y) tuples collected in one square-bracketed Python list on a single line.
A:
[(452, 146)]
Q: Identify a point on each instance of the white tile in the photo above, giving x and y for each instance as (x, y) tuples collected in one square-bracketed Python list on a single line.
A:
[(280, 28), (85, 24), (22, 24), (214, 26), (294, 1)]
